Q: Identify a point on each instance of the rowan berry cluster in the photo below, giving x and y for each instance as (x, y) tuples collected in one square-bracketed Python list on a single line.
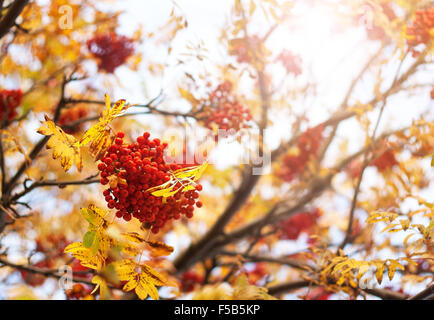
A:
[(71, 115), (222, 110), (373, 30), (244, 49), (111, 50), (385, 161), (79, 291), (36, 279), (52, 244), (136, 168), (291, 62), (52, 247), (308, 147), (257, 274), (9, 101), (189, 280), (291, 228), (79, 270), (422, 29)]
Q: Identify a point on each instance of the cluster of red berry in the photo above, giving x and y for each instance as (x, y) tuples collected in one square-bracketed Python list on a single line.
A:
[(51, 246), (9, 101), (71, 115), (291, 62), (257, 274), (36, 279), (308, 146), (78, 292), (189, 280), (291, 228), (137, 167), (111, 50), (243, 50), (385, 161), (221, 109), (373, 30), (422, 30)]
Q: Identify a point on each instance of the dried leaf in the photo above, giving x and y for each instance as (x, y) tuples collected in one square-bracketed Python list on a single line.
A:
[(99, 136), (63, 145), (159, 248)]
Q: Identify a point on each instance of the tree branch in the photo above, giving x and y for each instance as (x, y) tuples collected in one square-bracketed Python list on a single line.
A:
[(48, 183), (8, 20), (424, 294), (294, 263), (45, 272)]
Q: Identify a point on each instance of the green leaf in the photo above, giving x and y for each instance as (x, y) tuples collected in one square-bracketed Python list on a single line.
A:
[(92, 217), (89, 239)]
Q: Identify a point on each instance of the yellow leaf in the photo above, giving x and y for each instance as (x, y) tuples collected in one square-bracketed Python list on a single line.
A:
[(99, 135), (167, 192), (152, 275), (193, 173), (85, 255), (185, 176), (390, 227), (404, 224), (252, 7), (130, 249), (130, 285), (145, 288), (244, 291), (160, 248), (380, 271), (392, 268), (408, 238), (73, 246), (63, 145), (93, 215), (125, 269), (101, 284), (100, 145), (362, 270), (187, 96), (134, 237)]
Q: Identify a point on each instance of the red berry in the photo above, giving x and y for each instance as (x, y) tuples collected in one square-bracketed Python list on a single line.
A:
[(308, 145), (141, 166), (9, 101), (111, 50)]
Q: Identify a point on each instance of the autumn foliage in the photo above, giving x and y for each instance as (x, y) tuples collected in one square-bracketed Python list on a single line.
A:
[(258, 158)]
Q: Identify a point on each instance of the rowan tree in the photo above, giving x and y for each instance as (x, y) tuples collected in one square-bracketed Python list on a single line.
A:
[(114, 192)]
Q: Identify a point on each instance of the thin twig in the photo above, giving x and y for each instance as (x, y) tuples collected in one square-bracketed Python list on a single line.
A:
[(424, 294)]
